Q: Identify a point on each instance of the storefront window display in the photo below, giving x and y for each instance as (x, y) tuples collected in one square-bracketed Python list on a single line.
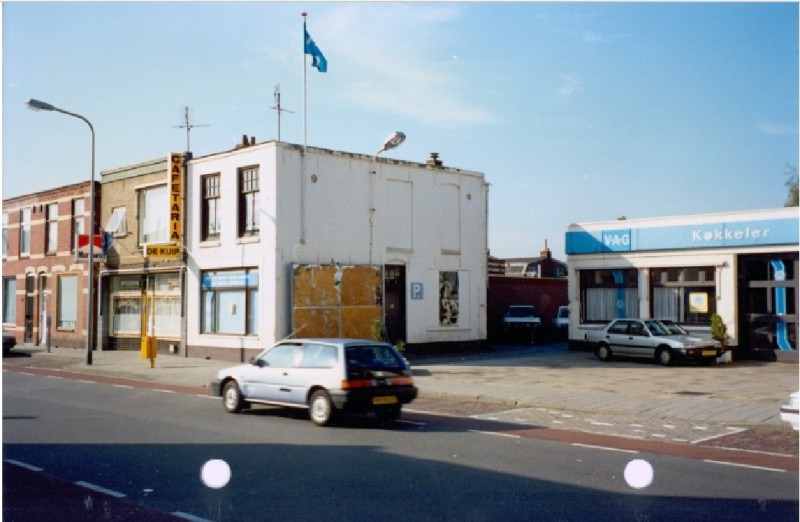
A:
[(684, 295), (609, 294), (230, 302)]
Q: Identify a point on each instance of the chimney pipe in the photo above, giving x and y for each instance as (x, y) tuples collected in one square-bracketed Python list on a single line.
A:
[(434, 160)]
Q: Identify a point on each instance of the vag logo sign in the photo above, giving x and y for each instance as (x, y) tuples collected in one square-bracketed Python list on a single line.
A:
[(617, 240)]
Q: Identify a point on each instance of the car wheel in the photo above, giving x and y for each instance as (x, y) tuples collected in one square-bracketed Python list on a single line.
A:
[(604, 352), (665, 357), (320, 408), (232, 398)]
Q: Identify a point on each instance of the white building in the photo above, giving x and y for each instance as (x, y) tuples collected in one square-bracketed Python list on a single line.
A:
[(742, 266), (331, 244)]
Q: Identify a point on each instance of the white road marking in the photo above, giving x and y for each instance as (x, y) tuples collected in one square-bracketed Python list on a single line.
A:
[(737, 465), (495, 433), (99, 489), (605, 448), (23, 465)]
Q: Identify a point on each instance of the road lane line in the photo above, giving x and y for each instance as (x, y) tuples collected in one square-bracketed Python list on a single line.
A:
[(190, 517), (495, 433), (737, 465), (30, 467), (605, 448), (717, 436), (413, 423), (99, 489), (125, 386)]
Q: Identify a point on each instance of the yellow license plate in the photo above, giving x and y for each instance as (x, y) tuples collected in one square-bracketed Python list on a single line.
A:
[(709, 352), (384, 400)]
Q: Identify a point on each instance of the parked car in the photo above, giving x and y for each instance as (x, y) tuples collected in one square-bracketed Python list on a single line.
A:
[(324, 376), (561, 320), (663, 341), (789, 411), (9, 341), (521, 317)]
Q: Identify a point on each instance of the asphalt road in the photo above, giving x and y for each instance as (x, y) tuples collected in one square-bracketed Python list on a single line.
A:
[(152, 446)]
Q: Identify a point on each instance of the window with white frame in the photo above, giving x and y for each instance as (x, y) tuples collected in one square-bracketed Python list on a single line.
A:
[(9, 300), (230, 302), (609, 294), (78, 222), (5, 234), (116, 225), (684, 295), (51, 235), (210, 208), (67, 304), (153, 215), (248, 201), (25, 232)]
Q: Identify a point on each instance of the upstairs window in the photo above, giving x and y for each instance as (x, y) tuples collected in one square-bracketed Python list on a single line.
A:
[(153, 216), (78, 223), (248, 201), (25, 232), (116, 224), (5, 234), (210, 208), (51, 235)]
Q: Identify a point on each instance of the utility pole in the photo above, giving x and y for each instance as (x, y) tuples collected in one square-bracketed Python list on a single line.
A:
[(188, 126), (278, 109)]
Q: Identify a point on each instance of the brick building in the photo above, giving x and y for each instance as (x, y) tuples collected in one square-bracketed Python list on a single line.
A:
[(140, 292), (43, 280)]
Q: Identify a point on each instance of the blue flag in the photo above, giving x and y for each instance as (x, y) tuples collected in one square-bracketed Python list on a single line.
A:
[(309, 47)]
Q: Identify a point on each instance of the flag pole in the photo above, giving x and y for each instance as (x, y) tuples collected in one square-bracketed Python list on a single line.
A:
[(305, 144), (305, 100)]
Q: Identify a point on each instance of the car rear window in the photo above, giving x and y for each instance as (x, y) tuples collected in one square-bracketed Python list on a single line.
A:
[(366, 359)]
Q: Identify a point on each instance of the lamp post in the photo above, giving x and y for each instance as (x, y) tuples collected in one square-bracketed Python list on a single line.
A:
[(37, 105)]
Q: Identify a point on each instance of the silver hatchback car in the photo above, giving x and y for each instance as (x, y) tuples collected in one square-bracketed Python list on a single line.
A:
[(326, 376)]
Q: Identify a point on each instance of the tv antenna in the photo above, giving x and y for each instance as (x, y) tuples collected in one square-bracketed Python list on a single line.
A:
[(277, 107), (188, 126)]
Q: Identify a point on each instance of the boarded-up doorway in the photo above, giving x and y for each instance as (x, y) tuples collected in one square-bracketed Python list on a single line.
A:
[(336, 301)]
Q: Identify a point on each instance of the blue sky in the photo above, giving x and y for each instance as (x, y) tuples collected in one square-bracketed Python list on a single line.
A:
[(574, 112)]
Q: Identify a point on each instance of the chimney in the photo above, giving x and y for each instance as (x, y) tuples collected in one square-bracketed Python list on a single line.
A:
[(252, 140), (546, 253), (434, 160), (246, 142)]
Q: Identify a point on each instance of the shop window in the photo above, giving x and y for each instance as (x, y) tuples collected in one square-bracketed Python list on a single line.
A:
[(167, 317), (67, 307), (684, 295), (230, 302), (127, 316), (448, 299), (9, 300), (609, 294)]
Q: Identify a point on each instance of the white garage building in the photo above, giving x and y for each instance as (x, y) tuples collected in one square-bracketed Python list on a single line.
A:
[(742, 266)]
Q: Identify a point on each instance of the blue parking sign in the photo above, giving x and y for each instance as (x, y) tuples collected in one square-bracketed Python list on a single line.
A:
[(417, 291)]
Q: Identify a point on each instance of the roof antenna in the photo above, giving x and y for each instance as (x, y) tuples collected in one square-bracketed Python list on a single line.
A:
[(188, 126), (277, 107)]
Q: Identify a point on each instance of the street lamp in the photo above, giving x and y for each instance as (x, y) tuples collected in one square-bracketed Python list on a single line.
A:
[(37, 105), (391, 142)]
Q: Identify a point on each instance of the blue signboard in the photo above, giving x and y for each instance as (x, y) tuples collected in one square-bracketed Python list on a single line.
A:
[(678, 237), (417, 291)]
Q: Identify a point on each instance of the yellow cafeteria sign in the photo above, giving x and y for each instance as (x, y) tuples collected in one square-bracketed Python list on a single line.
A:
[(164, 251), (175, 197)]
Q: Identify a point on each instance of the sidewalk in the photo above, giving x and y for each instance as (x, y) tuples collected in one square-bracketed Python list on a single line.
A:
[(544, 385)]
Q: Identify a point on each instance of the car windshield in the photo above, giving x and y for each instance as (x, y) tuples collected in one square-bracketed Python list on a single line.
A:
[(656, 328), (672, 328), (369, 358), (521, 311)]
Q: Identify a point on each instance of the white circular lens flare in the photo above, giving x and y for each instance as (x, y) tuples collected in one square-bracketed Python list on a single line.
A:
[(215, 473), (639, 474)]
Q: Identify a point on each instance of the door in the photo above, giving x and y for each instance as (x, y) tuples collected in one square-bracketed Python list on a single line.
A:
[(394, 284), (30, 300), (43, 329), (268, 379)]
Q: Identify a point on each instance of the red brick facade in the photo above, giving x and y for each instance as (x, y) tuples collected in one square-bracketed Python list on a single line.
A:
[(41, 278)]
